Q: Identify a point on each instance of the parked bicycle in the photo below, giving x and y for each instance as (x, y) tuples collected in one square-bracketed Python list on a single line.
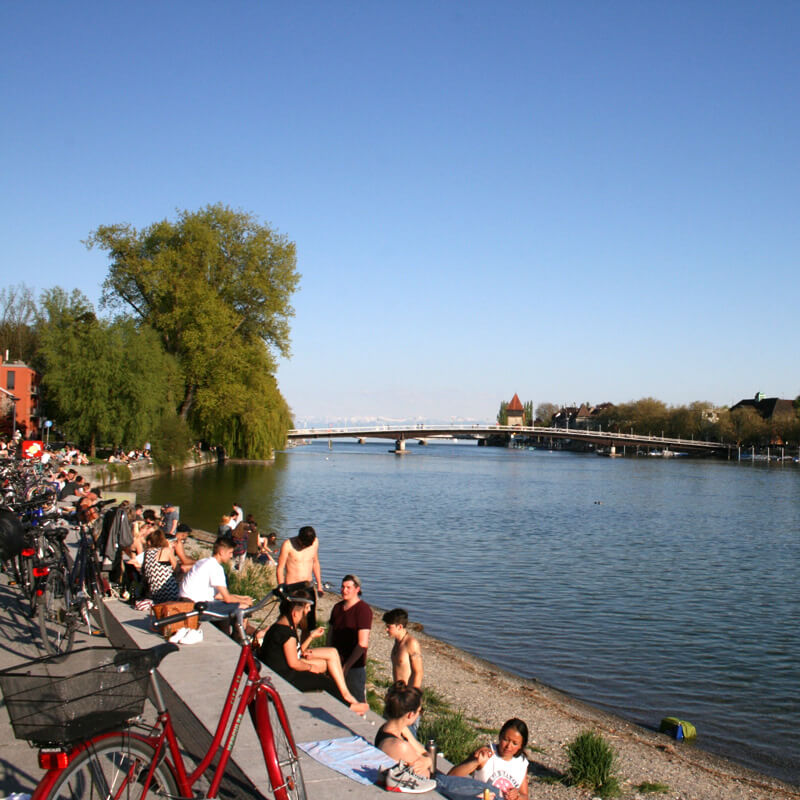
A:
[(78, 709), (73, 593)]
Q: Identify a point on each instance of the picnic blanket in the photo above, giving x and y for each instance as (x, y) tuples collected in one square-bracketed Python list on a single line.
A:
[(353, 756)]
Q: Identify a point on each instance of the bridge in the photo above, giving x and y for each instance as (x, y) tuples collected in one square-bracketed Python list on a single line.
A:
[(402, 433)]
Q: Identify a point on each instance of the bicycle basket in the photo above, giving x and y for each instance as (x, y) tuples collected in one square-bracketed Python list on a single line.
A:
[(69, 698)]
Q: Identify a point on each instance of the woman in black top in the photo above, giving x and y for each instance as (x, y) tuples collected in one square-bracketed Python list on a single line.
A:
[(403, 708), (288, 653)]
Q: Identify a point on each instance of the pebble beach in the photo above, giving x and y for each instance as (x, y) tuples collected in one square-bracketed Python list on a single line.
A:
[(491, 695)]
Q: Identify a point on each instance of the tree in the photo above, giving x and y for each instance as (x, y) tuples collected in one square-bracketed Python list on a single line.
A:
[(216, 286), (502, 414), (18, 323), (545, 412), (527, 417), (107, 382)]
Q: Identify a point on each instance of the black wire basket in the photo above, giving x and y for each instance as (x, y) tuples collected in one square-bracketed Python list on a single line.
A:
[(70, 698)]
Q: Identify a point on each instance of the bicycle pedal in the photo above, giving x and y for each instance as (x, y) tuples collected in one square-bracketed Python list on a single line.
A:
[(96, 632)]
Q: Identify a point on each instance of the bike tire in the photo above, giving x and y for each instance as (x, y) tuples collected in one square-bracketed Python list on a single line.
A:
[(56, 615), (97, 594), (286, 763), (30, 585), (114, 767)]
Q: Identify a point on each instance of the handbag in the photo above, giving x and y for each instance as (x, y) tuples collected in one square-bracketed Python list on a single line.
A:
[(161, 610)]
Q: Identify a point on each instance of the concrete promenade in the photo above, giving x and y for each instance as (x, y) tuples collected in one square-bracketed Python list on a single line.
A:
[(196, 679)]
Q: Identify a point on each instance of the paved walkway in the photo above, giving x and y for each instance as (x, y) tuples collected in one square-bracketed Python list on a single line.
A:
[(197, 678)]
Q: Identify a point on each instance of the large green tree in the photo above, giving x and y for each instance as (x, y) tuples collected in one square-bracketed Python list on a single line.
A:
[(105, 382), (216, 285)]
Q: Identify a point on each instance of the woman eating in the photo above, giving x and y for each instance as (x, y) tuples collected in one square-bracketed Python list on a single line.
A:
[(503, 765)]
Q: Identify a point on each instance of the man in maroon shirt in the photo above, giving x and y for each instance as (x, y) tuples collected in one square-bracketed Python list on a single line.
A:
[(351, 622)]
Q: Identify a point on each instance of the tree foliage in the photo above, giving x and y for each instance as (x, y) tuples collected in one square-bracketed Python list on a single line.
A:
[(216, 286), (105, 382), (502, 414), (545, 413), (18, 323)]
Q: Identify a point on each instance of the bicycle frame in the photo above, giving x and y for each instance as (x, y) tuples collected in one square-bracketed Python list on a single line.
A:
[(255, 695)]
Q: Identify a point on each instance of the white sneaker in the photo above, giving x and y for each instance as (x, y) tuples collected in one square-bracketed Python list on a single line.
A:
[(177, 637), (192, 636), (401, 778)]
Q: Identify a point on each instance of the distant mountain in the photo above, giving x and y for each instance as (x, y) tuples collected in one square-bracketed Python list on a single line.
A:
[(357, 422)]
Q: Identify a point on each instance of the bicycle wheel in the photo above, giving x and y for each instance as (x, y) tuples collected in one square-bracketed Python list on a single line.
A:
[(56, 615), (115, 767), (292, 786)]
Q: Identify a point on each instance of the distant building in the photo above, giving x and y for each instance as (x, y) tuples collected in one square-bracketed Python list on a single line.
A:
[(515, 412), (770, 408), (21, 384)]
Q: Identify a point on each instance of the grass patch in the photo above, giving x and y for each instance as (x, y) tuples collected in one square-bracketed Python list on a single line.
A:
[(254, 580), (456, 739), (434, 702), (375, 702), (591, 764), (376, 675), (652, 788)]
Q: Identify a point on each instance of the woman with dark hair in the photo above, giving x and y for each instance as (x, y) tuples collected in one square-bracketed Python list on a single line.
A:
[(158, 568), (287, 650), (412, 773), (504, 765), (403, 709)]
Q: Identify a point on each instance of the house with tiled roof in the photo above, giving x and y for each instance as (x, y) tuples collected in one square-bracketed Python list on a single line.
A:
[(515, 412)]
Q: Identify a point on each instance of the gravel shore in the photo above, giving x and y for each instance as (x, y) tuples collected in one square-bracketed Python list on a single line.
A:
[(492, 695)]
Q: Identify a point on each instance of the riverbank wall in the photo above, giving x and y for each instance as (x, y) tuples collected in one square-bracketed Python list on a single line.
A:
[(105, 474)]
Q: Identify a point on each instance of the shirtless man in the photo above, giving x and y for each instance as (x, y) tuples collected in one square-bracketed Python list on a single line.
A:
[(298, 562), (406, 653)]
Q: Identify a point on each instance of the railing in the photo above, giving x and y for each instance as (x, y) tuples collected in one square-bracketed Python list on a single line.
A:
[(420, 430)]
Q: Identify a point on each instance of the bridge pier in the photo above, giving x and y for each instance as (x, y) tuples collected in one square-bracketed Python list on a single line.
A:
[(399, 447), (423, 442), (362, 440)]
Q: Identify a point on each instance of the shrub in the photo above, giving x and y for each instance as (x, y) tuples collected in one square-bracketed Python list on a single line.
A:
[(652, 788), (455, 737), (254, 580), (591, 764)]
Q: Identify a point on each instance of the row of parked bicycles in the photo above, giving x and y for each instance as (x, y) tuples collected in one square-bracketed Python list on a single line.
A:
[(84, 708), (61, 587)]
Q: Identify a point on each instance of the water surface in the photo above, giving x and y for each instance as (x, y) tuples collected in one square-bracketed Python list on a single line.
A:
[(647, 587)]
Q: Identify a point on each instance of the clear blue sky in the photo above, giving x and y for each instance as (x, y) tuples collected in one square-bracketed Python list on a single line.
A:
[(573, 201)]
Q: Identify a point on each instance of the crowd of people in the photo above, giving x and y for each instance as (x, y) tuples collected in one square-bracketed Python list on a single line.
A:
[(289, 648), (158, 569)]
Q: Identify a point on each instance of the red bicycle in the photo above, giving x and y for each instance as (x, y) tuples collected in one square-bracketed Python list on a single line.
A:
[(61, 703)]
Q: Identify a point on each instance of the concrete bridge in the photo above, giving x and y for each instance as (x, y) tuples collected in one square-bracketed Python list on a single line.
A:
[(402, 433)]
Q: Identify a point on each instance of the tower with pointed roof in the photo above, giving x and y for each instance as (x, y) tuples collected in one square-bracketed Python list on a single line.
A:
[(515, 412)]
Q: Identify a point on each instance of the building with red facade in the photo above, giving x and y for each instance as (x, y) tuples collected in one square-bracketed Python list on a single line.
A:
[(21, 384)]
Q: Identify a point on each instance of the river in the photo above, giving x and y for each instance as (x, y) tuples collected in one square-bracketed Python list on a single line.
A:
[(648, 587)]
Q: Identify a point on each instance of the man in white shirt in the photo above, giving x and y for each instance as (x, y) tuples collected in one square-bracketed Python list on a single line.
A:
[(206, 582)]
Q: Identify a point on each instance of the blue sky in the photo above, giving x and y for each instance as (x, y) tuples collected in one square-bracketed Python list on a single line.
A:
[(578, 201)]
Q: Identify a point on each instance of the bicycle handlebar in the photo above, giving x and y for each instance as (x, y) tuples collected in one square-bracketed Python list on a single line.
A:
[(238, 615)]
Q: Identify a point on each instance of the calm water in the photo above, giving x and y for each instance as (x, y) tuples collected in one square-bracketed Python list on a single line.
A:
[(647, 587)]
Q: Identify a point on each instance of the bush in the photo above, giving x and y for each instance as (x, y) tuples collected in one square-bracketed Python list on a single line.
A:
[(254, 580), (171, 442), (591, 764), (454, 736)]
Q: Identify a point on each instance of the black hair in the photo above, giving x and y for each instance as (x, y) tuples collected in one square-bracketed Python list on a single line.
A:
[(402, 699), (520, 727), (397, 616), (224, 542), (306, 536), (300, 597)]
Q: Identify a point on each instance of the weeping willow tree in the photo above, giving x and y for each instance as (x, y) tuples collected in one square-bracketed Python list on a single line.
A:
[(215, 285)]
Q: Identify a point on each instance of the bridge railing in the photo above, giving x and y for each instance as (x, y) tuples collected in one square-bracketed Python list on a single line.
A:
[(420, 430)]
